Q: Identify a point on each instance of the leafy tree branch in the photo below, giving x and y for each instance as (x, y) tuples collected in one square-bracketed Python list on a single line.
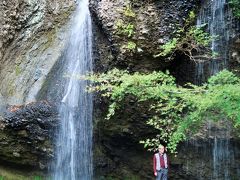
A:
[(176, 111)]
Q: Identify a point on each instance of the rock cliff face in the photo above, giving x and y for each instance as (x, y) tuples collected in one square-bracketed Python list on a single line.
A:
[(146, 26), (119, 155), (26, 135), (32, 35), (117, 151), (136, 30), (127, 35), (236, 50), (214, 152), (235, 55)]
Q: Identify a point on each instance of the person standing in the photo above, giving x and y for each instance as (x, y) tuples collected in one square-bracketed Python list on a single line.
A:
[(161, 164)]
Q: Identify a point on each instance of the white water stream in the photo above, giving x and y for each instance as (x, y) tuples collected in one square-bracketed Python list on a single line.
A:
[(217, 157), (217, 16), (74, 138)]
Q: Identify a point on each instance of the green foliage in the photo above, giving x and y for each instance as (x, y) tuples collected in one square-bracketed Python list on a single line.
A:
[(223, 78), (176, 111), (125, 29), (128, 11), (37, 178), (129, 30), (199, 36), (168, 47), (191, 18), (8, 176), (214, 54), (131, 46), (188, 39), (194, 38), (235, 4), (17, 70)]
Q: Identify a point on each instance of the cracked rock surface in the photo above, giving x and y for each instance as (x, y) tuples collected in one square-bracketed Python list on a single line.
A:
[(26, 134)]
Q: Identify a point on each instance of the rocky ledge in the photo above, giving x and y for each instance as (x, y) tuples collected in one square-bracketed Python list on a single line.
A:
[(26, 134), (33, 35), (136, 30)]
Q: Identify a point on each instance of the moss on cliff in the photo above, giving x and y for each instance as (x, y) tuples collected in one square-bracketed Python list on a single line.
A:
[(9, 173)]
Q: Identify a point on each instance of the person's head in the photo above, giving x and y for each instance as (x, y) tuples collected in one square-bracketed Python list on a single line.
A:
[(161, 149)]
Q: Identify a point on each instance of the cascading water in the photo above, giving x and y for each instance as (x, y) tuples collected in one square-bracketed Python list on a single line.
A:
[(222, 154), (214, 155), (74, 138), (217, 155), (218, 18)]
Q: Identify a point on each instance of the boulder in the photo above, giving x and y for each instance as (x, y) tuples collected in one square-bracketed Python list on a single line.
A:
[(27, 133)]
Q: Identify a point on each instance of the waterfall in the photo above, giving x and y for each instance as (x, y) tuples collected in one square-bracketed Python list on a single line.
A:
[(220, 163), (222, 152), (218, 18), (74, 137), (214, 155)]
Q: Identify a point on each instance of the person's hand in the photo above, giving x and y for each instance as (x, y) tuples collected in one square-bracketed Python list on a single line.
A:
[(155, 174)]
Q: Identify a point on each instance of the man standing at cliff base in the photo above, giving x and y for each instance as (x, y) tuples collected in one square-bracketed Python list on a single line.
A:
[(160, 164)]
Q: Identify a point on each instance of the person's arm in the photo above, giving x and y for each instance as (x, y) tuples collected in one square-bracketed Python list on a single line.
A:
[(154, 165)]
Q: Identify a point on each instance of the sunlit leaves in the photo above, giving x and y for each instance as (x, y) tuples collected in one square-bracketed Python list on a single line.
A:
[(176, 112), (235, 4)]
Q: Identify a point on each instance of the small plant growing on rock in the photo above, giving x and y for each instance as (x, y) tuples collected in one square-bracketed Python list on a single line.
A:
[(202, 38), (215, 54), (125, 29), (188, 40), (17, 70), (128, 11), (168, 47), (130, 46)]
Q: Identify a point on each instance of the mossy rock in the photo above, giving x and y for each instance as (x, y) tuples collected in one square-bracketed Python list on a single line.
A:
[(7, 173)]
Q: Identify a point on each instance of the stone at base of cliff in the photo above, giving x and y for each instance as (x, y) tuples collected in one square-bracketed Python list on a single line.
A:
[(10, 173), (26, 135)]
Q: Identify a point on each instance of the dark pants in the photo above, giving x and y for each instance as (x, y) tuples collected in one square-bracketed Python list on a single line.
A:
[(162, 174)]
